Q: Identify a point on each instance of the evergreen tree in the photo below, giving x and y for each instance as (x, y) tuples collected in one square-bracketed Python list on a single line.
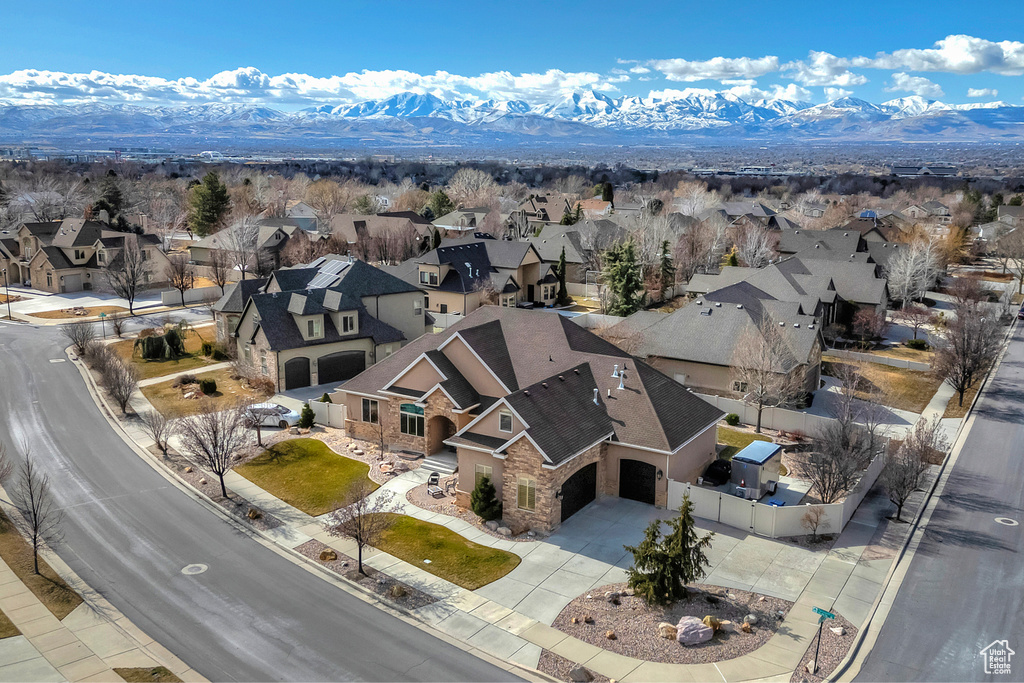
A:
[(663, 566), (208, 203), (733, 261), (484, 500), (307, 417), (435, 239), (1016, 200), (666, 270), (563, 293), (607, 193), (326, 398), (623, 276), (5, 198), (440, 204)]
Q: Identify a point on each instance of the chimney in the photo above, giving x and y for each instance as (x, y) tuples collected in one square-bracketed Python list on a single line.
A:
[(596, 402)]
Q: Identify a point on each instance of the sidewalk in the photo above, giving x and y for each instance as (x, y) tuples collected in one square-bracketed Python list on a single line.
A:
[(86, 646)]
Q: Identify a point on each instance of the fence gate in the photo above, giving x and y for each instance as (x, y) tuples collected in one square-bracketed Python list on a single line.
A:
[(737, 512)]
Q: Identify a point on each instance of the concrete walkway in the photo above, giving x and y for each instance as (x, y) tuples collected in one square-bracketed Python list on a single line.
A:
[(85, 646), (193, 371)]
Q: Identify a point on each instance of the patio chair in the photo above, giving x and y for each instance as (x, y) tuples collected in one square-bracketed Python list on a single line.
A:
[(433, 485)]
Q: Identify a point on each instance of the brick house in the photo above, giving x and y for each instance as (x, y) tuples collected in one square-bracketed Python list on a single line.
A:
[(553, 414)]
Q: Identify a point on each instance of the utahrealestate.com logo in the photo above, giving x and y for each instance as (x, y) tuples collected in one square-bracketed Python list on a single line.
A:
[(997, 656)]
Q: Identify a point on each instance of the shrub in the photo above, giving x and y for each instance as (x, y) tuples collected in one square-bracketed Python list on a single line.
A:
[(484, 500), (325, 398), (307, 417), (206, 348), (168, 345), (264, 385), (917, 344), (208, 386), (732, 419), (219, 353), (185, 379)]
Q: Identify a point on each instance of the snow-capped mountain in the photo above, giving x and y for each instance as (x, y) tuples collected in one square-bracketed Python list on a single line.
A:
[(590, 117)]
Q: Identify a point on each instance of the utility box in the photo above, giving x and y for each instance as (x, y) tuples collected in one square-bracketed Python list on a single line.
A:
[(755, 469)]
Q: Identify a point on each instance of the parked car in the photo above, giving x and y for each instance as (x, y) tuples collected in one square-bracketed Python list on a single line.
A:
[(718, 472), (1020, 313), (270, 415)]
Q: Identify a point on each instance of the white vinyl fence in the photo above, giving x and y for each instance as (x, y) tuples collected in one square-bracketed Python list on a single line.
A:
[(769, 520), (875, 358), (781, 419), (172, 297), (329, 414)]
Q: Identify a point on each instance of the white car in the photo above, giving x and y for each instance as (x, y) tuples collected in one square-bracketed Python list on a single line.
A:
[(270, 415)]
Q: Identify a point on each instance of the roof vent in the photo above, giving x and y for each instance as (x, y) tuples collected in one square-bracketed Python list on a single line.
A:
[(615, 371), (705, 311), (718, 304), (561, 378), (846, 234), (526, 392), (739, 306), (782, 324), (596, 402), (576, 370), (817, 246), (622, 379), (609, 393), (796, 325), (544, 384), (699, 302), (796, 232), (811, 326)]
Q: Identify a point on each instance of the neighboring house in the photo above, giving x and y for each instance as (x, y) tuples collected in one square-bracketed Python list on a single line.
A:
[(697, 344), (461, 275), (836, 244), (553, 414), (354, 228), (813, 209), (929, 211), (301, 214), (830, 290), (873, 227), (462, 222), (595, 208), (229, 307), (324, 322), (939, 170), (271, 237), (583, 243), (72, 255), (750, 212), (1011, 215), (543, 208)]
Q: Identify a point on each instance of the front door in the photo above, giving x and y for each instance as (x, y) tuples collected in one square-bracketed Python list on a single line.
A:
[(637, 480), (529, 292), (578, 490)]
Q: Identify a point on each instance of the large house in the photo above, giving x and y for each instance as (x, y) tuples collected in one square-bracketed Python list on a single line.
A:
[(699, 344), (836, 244), (270, 238), (321, 323), (553, 414), (73, 255)]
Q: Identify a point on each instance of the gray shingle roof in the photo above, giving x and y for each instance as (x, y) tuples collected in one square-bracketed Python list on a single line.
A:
[(455, 385), (237, 294)]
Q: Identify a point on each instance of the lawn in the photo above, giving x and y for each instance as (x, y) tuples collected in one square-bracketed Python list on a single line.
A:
[(452, 557), (168, 399), (904, 389), (149, 368), (90, 312), (51, 590), (145, 674), (306, 474), (906, 353), (7, 627), (735, 441), (955, 410)]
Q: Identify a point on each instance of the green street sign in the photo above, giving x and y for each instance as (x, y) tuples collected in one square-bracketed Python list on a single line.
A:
[(103, 315), (824, 615)]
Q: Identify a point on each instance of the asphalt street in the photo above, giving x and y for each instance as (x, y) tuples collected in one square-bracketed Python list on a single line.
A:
[(254, 615), (964, 586)]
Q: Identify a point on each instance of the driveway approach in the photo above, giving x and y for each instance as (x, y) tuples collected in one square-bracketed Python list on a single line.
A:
[(963, 586), (254, 615)]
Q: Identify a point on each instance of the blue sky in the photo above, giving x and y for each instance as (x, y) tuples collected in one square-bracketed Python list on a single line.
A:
[(336, 52)]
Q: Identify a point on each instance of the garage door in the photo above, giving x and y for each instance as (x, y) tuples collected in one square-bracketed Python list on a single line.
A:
[(337, 367), (637, 480), (578, 490), (72, 283), (296, 373)]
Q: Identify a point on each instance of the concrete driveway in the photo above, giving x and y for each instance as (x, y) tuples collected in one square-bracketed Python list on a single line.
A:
[(587, 552)]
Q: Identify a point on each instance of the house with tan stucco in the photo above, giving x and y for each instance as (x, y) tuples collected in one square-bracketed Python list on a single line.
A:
[(552, 413)]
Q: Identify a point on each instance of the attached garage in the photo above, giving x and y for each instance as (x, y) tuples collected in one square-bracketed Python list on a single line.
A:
[(579, 490), (637, 480), (296, 373), (340, 366), (72, 282)]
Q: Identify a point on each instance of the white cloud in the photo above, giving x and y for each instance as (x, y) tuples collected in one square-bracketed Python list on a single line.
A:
[(640, 70), (822, 68), (982, 92), (919, 85), (958, 54), (836, 93), (717, 69)]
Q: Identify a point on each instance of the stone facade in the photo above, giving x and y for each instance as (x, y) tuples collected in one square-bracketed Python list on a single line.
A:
[(437, 405)]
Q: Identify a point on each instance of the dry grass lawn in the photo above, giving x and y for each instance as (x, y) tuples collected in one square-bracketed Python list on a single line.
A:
[(3, 299), (953, 409), (905, 353), (903, 389), (306, 474), (169, 401), (736, 440), (145, 674), (149, 368), (90, 312), (452, 557), (51, 590), (7, 627)]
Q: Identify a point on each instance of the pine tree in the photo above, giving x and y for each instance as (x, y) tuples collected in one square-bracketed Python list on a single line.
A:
[(208, 204), (563, 298), (435, 239), (484, 500), (623, 277), (307, 417), (326, 398), (733, 261), (607, 193), (440, 204), (666, 270), (663, 566)]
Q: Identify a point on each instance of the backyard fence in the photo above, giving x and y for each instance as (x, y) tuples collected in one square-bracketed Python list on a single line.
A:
[(780, 419), (770, 520), (875, 358), (172, 297), (329, 414)]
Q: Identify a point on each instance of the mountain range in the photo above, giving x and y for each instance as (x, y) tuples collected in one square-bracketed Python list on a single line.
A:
[(410, 119)]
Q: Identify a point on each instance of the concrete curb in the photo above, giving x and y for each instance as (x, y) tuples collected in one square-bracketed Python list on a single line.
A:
[(296, 558), (854, 660)]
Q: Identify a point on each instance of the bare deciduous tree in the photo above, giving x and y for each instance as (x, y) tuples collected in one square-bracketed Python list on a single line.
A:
[(213, 436), (126, 272), (180, 274), (470, 186), (813, 520), (913, 316), (240, 239), (755, 246), (762, 367), (220, 268), (80, 334), (29, 490), (912, 271), (1010, 248), (157, 427), (904, 469), (840, 452), (362, 517), (966, 348), (121, 379)]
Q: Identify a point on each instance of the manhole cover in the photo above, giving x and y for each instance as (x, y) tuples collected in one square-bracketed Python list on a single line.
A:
[(1007, 521), (193, 569)]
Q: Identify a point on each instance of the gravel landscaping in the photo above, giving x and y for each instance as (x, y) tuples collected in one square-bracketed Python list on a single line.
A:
[(446, 505), (635, 625), (833, 649), (559, 667), (404, 596)]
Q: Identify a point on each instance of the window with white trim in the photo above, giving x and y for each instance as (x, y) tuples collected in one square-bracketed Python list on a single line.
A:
[(348, 323), (417, 307), (371, 411), (505, 421), (739, 386), (263, 362), (527, 498), (411, 419), (482, 471), (79, 254), (314, 329), (428, 278)]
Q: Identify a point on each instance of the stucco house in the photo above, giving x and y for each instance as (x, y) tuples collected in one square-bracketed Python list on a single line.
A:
[(552, 413), (324, 322)]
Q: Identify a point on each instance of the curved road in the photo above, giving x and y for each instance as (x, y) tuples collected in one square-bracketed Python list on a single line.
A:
[(254, 615)]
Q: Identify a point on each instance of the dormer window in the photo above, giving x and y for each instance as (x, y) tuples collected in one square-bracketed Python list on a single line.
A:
[(314, 328), (348, 323), (79, 254), (505, 421), (101, 256), (428, 278)]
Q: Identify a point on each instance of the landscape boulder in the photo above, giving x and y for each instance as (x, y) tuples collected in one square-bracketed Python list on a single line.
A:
[(727, 626), (838, 630), (580, 675), (750, 619), (667, 631), (610, 635), (504, 531), (491, 524), (711, 622), (328, 555), (693, 631)]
